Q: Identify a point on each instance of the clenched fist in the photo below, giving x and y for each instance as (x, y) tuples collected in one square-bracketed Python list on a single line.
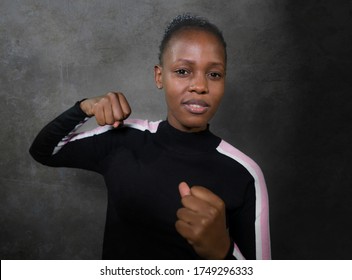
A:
[(111, 108), (202, 221)]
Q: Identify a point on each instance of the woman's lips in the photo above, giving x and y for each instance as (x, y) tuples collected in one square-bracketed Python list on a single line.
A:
[(196, 106)]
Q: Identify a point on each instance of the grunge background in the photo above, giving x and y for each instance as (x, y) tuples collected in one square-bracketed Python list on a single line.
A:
[(287, 105)]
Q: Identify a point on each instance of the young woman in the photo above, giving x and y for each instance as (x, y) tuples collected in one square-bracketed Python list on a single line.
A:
[(175, 190)]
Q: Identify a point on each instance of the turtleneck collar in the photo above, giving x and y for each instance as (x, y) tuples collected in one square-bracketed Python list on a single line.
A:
[(186, 142)]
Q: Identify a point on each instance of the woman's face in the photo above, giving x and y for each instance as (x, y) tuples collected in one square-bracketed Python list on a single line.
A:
[(193, 77)]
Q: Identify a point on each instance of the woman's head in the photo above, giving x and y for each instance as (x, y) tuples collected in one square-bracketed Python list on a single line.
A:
[(192, 71), (189, 22)]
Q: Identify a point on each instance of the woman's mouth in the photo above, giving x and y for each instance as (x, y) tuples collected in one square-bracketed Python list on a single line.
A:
[(196, 106)]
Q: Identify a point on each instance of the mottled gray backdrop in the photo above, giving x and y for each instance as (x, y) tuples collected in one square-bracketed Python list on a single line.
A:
[(287, 105)]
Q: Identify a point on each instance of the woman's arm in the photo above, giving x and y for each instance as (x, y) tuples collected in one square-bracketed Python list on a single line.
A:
[(249, 225), (53, 145)]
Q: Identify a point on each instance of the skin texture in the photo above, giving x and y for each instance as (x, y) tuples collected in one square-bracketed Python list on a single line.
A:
[(202, 221), (111, 108), (193, 71), (193, 78)]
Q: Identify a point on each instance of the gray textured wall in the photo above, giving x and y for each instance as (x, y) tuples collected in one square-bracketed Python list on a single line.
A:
[(287, 105)]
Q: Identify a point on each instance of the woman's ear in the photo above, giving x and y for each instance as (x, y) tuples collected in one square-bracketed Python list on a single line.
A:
[(158, 76)]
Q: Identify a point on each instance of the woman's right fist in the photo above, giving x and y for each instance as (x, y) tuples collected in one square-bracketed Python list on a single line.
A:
[(111, 108)]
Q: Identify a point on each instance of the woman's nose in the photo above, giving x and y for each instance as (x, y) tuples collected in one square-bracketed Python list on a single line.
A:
[(199, 84)]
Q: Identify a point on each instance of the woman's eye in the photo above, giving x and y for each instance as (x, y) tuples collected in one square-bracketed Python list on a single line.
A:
[(215, 75), (182, 72)]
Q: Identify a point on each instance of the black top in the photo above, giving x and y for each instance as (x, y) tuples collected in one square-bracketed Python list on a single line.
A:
[(142, 164)]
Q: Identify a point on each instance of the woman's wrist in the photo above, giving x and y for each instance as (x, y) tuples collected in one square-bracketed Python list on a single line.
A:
[(85, 107)]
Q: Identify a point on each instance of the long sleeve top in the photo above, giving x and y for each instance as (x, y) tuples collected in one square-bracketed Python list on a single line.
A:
[(143, 163)]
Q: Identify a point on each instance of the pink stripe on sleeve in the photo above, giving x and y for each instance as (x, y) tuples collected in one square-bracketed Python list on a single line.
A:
[(262, 231), (142, 124), (79, 131)]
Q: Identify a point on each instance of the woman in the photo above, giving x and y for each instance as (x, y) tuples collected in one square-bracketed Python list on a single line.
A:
[(175, 190)]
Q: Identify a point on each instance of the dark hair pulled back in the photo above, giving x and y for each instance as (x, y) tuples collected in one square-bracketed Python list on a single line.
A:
[(189, 22)]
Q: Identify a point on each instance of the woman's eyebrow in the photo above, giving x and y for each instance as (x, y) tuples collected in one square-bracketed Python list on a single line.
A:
[(188, 61), (217, 64)]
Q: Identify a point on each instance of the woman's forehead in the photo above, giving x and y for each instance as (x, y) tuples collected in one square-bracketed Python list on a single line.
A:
[(194, 45)]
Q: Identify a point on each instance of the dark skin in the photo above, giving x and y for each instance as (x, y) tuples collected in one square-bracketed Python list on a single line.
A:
[(202, 221), (193, 78)]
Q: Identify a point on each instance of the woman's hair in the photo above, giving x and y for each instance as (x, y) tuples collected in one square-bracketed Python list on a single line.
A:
[(189, 22)]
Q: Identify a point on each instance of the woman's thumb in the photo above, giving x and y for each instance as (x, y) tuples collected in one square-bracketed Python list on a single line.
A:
[(184, 189)]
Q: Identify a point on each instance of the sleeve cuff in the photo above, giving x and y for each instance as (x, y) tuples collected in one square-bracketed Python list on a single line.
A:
[(78, 108)]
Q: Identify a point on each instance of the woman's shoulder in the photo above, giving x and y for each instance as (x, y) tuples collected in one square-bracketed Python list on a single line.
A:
[(234, 153)]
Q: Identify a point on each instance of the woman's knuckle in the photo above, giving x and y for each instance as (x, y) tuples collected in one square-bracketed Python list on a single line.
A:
[(213, 212)]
